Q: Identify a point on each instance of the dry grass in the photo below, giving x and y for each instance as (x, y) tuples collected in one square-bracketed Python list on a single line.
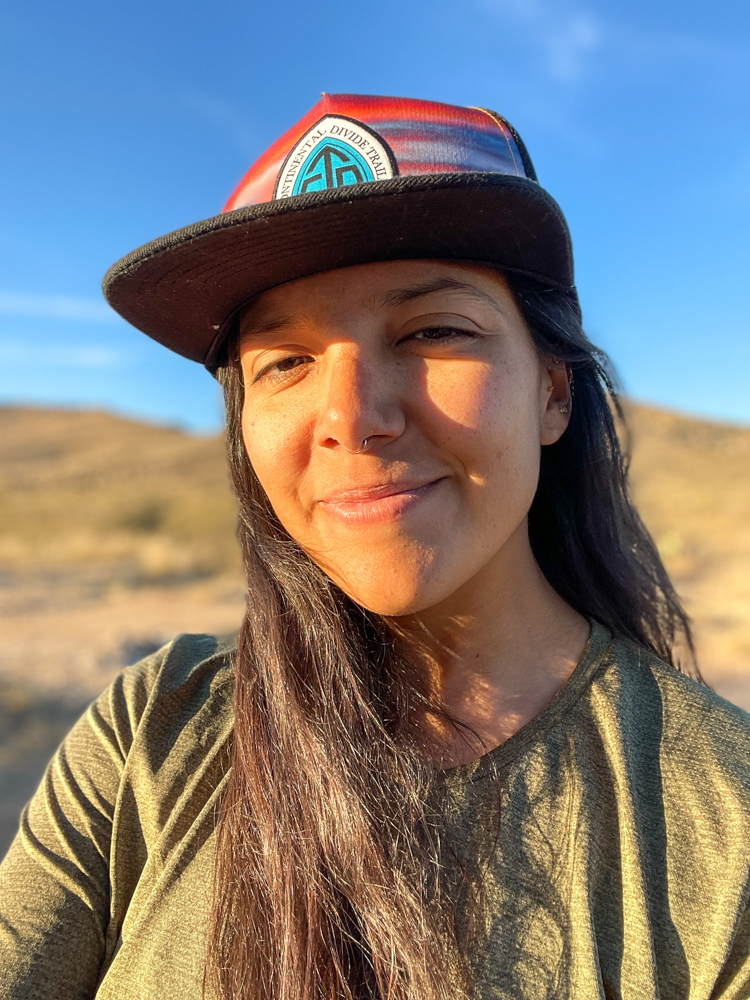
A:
[(691, 481), (88, 490)]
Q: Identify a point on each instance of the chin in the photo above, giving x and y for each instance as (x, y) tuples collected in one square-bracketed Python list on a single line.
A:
[(393, 594), (394, 579), (386, 606)]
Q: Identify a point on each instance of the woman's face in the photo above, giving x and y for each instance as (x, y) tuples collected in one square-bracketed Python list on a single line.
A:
[(433, 366)]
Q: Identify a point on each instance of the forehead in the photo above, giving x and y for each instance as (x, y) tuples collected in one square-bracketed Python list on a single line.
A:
[(383, 285)]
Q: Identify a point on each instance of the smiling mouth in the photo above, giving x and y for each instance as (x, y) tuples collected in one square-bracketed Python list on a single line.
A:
[(386, 502)]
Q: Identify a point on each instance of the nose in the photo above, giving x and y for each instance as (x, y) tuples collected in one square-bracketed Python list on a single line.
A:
[(360, 401)]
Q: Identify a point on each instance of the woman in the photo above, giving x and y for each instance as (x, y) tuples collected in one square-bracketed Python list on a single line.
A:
[(451, 754)]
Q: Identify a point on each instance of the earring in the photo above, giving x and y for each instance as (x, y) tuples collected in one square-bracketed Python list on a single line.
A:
[(563, 409)]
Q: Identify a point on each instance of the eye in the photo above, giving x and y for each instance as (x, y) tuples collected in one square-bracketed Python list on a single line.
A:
[(442, 334), (282, 366)]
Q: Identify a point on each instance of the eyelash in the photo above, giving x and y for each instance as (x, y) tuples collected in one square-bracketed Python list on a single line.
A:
[(268, 373), (444, 329)]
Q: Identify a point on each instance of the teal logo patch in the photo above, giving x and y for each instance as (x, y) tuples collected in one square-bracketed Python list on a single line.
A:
[(332, 164), (334, 153)]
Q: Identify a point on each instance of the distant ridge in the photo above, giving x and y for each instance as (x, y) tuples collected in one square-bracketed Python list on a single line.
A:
[(86, 488)]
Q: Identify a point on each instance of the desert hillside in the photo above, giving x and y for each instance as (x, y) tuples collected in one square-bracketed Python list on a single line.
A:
[(88, 490), (116, 535), (691, 481)]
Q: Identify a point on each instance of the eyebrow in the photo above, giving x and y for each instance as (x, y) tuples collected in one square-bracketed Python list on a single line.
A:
[(396, 297), (270, 326), (400, 296)]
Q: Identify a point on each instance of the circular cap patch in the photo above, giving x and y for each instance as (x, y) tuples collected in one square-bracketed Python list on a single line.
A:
[(334, 153)]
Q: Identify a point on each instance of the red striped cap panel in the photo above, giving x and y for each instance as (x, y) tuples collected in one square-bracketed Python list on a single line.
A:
[(351, 139)]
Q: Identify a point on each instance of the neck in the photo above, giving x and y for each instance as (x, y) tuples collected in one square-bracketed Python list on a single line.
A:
[(497, 652)]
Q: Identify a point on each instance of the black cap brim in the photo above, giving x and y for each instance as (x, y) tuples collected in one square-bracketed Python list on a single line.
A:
[(183, 288)]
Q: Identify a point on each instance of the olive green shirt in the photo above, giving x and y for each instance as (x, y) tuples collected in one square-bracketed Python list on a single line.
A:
[(619, 867)]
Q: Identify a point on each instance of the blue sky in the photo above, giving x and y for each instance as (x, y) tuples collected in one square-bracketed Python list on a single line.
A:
[(125, 121)]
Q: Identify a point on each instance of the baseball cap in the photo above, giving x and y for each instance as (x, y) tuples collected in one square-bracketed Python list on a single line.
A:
[(359, 179)]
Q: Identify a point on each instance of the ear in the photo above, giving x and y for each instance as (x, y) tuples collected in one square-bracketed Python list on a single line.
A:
[(556, 400)]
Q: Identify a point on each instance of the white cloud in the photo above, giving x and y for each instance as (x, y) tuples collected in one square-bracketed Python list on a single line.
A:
[(16, 352), (227, 118), (569, 46), (567, 34), (55, 307)]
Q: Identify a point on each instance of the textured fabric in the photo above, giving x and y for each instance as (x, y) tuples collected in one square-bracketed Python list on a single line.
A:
[(618, 866)]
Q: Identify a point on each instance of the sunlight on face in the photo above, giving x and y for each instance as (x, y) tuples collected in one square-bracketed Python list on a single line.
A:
[(431, 366)]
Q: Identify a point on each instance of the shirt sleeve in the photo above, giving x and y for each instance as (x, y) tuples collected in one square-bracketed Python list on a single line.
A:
[(54, 881)]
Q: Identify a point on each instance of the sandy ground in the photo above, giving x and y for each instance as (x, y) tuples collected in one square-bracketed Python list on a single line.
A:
[(63, 640), (70, 640)]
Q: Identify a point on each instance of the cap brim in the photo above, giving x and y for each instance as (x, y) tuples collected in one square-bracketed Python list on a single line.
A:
[(182, 288)]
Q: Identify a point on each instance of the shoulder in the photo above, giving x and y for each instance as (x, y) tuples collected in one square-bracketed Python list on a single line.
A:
[(174, 717), (679, 760), (187, 679), (701, 739)]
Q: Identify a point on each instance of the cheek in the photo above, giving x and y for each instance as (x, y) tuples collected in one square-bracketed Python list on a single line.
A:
[(460, 392), (487, 413), (491, 425), (278, 450)]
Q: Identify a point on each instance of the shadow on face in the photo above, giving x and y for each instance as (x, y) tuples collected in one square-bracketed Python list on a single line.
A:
[(394, 414)]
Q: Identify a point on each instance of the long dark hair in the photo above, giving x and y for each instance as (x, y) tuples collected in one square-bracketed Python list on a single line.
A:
[(585, 532), (328, 874)]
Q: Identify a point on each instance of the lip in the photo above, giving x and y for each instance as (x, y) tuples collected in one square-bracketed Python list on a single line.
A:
[(380, 502)]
